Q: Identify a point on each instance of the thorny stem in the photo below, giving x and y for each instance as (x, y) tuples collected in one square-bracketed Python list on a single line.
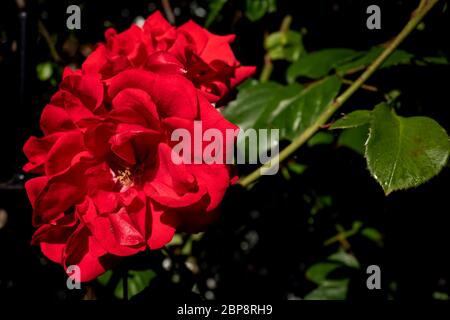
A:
[(416, 17), (364, 86)]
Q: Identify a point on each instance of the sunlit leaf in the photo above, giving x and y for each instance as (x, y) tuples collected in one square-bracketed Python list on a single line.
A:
[(137, 281), (345, 258), (404, 152), (330, 290), (318, 64), (44, 71), (373, 234), (319, 272), (354, 119), (295, 114)]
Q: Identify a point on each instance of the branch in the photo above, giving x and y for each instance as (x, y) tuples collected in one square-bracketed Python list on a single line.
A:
[(416, 17), (51, 45), (168, 11)]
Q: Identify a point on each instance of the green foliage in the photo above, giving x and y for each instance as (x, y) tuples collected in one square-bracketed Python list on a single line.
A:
[(284, 45), (105, 278), (352, 120), (318, 272), (401, 152), (137, 281), (330, 290), (404, 152), (344, 258), (318, 64), (319, 138), (215, 6), (256, 9), (329, 287), (373, 234), (354, 138), (295, 114), (291, 108), (44, 70), (363, 59)]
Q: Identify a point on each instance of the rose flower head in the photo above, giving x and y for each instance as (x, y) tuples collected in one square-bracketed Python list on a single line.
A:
[(204, 58), (109, 181)]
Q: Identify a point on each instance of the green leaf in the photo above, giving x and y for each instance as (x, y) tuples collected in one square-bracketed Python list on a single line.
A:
[(104, 278), (297, 168), (253, 106), (256, 9), (295, 114), (318, 64), (319, 272), (330, 290), (137, 281), (284, 45), (253, 102), (320, 138), (352, 120), (440, 296), (404, 152), (346, 259), (177, 240), (215, 6), (291, 109), (366, 58), (44, 71), (373, 234), (354, 138), (436, 60)]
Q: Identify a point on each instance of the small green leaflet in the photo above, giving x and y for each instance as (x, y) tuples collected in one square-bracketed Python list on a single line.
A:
[(352, 120), (44, 71), (330, 288), (284, 45), (404, 152), (137, 281), (215, 6), (256, 9), (319, 272)]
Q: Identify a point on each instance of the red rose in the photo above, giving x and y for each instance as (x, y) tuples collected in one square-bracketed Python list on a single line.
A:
[(108, 187), (204, 58)]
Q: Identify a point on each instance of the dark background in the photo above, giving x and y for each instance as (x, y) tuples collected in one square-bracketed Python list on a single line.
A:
[(283, 222)]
